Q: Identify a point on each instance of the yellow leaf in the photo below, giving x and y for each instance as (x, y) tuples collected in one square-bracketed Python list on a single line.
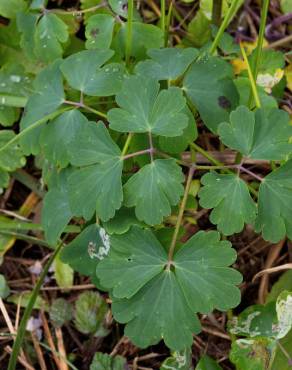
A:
[(288, 74)]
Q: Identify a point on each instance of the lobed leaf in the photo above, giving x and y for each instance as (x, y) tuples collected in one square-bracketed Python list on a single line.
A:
[(160, 297), (230, 198), (145, 109), (154, 189)]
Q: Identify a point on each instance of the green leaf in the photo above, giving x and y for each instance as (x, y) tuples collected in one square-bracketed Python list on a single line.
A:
[(154, 189), (270, 60), (178, 144), (84, 72), (59, 133), (11, 158), (4, 288), (22, 299), (286, 7), (230, 198), (9, 8), (86, 250), (136, 258), (61, 311), (207, 363), (274, 204), (50, 33), (120, 7), (99, 31), (160, 297), (26, 23), (208, 84), (144, 109), (283, 283), (4, 182), (121, 223), (56, 211), (96, 185), (63, 273), (280, 360), (144, 37), (103, 361), (178, 360), (255, 321), (199, 30), (48, 97), (89, 314), (255, 135), (8, 115), (167, 63), (252, 354)]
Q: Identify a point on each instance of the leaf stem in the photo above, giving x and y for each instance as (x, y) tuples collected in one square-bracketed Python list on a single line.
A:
[(168, 20), (223, 26), (129, 31), (27, 312), (33, 126), (140, 152), (162, 18), (180, 216), (258, 51), (151, 145), (22, 225), (251, 78), (82, 105), (127, 143), (76, 11), (216, 12)]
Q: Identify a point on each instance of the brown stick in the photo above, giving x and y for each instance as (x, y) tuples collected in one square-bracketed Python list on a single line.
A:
[(61, 348), (49, 338), (38, 351)]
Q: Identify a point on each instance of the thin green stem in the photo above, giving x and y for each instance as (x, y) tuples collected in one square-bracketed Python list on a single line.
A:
[(129, 31), (219, 164), (29, 181), (26, 238), (25, 226), (76, 11), (217, 12), (162, 18), (258, 51), (224, 24), (27, 312), (251, 78), (167, 26), (127, 143), (180, 216), (82, 105), (33, 126), (59, 355), (13, 101)]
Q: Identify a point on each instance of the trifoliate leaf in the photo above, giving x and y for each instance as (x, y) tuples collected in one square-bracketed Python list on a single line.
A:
[(260, 135), (198, 281), (90, 311), (167, 63), (56, 211), (86, 250), (48, 97), (103, 361), (96, 185), (208, 84), (59, 133), (11, 158), (50, 33), (99, 31), (61, 311), (84, 72), (178, 144), (144, 37), (9, 8), (230, 198), (121, 223), (154, 189), (144, 109), (274, 204)]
